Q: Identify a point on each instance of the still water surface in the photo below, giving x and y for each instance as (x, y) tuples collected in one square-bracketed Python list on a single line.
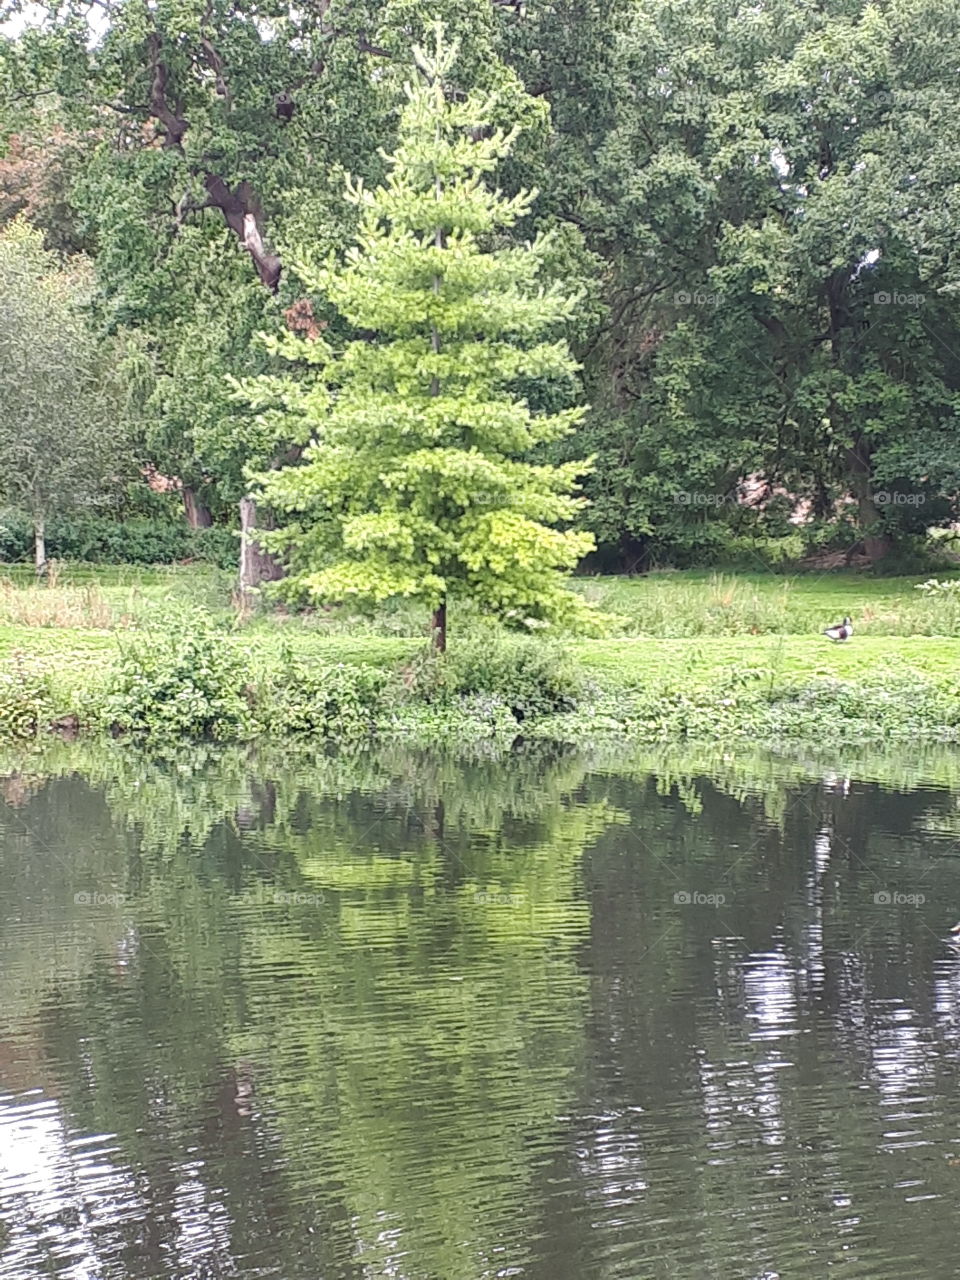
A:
[(547, 1016)]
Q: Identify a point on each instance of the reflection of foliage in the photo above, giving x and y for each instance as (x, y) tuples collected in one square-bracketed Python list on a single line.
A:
[(279, 790), (402, 981), (393, 1036), (417, 992), (769, 777)]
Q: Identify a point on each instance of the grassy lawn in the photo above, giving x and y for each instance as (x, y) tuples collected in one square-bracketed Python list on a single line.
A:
[(655, 660), (662, 605), (671, 629), (698, 603)]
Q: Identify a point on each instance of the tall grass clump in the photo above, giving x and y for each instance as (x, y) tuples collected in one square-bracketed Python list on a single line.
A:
[(670, 606), (57, 606)]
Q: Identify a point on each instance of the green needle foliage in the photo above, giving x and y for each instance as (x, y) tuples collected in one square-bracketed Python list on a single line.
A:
[(418, 479)]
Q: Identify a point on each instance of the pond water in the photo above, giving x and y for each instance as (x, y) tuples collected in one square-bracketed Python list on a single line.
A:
[(553, 1015)]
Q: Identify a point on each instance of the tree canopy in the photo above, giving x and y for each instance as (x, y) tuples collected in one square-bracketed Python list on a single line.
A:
[(61, 402), (757, 207)]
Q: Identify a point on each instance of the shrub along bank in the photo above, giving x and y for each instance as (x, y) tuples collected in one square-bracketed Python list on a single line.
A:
[(194, 681)]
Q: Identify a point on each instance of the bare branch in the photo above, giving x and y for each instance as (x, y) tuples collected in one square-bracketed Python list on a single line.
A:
[(175, 126), (215, 62)]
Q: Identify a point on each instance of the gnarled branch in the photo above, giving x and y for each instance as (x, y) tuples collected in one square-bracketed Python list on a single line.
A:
[(243, 215)]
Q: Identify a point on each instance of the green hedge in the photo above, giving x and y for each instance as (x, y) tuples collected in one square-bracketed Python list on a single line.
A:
[(104, 541)]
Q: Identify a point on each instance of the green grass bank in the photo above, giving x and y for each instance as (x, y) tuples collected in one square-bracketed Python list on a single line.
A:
[(690, 655)]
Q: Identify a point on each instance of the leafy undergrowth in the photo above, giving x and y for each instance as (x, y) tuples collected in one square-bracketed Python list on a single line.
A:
[(177, 668), (26, 699), (200, 682), (893, 705)]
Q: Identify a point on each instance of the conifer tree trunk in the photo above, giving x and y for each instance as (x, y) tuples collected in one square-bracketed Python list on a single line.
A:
[(439, 630)]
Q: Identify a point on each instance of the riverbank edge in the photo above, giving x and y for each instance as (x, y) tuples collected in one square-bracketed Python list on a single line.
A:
[(764, 688)]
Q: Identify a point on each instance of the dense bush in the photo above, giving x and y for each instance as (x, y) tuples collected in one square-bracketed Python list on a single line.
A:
[(104, 541), (530, 677), (183, 683), (26, 704), (191, 682), (321, 700), (194, 683)]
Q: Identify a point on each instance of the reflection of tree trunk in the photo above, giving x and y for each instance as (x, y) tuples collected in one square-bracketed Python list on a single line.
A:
[(437, 827), (256, 565), (39, 544), (875, 544), (265, 797), (198, 513)]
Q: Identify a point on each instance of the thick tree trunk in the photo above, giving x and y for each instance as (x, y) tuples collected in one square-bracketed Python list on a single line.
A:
[(875, 543), (39, 545), (632, 552), (845, 321), (198, 513), (256, 565), (440, 627)]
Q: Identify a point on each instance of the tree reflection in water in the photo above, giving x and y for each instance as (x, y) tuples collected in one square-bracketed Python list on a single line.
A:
[(417, 1015)]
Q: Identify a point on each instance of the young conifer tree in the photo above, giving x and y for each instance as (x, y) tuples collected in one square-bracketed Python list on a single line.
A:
[(417, 480)]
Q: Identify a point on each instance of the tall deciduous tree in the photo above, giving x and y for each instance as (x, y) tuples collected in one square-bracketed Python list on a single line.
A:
[(417, 481), (777, 178), (219, 138), (61, 405)]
